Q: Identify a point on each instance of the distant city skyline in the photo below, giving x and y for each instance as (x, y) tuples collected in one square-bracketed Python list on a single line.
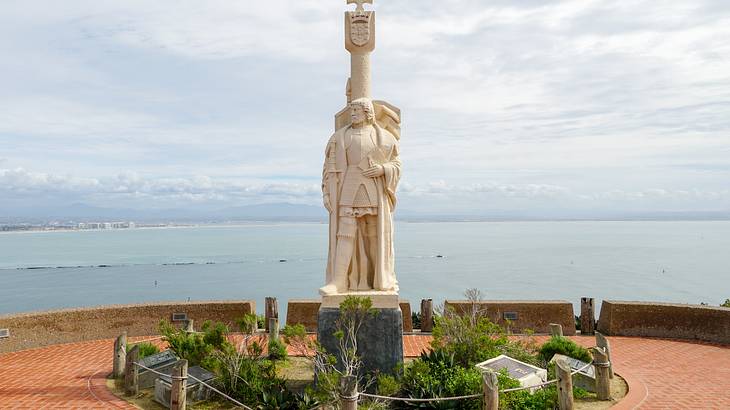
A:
[(571, 108)]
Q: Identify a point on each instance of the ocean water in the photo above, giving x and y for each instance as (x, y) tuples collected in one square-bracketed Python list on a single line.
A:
[(685, 262)]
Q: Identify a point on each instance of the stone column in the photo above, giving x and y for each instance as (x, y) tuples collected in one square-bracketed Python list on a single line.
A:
[(360, 75), (360, 42)]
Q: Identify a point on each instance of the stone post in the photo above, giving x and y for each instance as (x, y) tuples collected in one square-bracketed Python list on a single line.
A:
[(565, 385), (602, 342), (120, 355), (426, 315), (273, 328), (603, 379), (491, 390), (178, 391), (189, 326), (271, 311), (348, 392), (587, 316), (556, 330), (131, 371)]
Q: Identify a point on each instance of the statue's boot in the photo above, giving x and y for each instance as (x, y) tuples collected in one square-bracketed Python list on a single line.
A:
[(339, 285), (328, 289)]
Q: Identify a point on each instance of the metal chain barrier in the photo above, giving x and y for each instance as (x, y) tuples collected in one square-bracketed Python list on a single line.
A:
[(145, 340), (158, 373), (220, 392), (375, 396)]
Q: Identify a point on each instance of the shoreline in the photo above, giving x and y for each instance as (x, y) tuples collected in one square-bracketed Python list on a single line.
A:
[(259, 224)]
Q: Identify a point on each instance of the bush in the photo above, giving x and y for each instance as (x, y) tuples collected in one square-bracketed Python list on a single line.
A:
[(475, 339), (145, 349), (436, 375), (726, 304), (416, 320), (564, 346), (197, 348), (543, 399), (387, 385), (277, 350), (248, 324)]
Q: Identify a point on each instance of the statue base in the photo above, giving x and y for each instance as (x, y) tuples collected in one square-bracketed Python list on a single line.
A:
[(380, 339)]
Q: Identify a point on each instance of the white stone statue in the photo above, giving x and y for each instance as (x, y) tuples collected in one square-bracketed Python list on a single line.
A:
[(359, 180)]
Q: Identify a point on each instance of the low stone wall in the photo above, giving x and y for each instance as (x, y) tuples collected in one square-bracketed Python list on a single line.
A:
[(666, 320), (535, 315), (304, 312), (36, 329)]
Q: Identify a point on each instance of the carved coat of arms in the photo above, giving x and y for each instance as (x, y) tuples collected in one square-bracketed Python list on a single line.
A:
[(360, 29)]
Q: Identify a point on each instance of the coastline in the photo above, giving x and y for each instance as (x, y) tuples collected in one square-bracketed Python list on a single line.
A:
[(259, 224)]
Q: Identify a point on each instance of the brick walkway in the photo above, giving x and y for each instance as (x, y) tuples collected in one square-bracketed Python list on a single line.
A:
[(662, 374)]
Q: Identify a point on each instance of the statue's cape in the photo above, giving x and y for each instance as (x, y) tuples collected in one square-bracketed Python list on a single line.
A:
[(332, 178)]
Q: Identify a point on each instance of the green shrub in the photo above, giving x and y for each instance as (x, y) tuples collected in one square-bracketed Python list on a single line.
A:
[(543, 399), (326, 388), (564, 346), (726, 304), (197, 348), (215, 334), (248, 323), (145, 349), (474, 339), (277, 350), (387, 385), (436, 375), (416, 320)]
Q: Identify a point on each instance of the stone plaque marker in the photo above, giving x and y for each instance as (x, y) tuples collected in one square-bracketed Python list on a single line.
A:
[(195, 391), (179, 317), (527, 374), (159, 361), (510, 316), (4, 333), (586, 378)]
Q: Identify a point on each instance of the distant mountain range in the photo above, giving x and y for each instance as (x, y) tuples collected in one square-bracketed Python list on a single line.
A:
[(286, 212)]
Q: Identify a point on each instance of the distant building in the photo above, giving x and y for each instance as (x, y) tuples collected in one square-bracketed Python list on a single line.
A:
[(106, 225)]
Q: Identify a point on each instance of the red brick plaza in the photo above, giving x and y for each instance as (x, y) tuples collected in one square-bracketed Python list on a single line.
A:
[(662, 374)]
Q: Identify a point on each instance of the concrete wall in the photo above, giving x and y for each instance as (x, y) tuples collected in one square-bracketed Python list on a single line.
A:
[(36, 329), (535, 315), (675, 321), (304, 312)]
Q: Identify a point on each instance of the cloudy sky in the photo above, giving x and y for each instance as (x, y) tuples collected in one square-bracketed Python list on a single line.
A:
[(533, 106)]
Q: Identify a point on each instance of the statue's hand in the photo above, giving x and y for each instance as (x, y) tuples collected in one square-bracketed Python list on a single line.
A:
[(326, 200), (374, 171)]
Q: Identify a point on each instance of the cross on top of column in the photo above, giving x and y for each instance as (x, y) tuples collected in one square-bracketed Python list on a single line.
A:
[(359, 3)]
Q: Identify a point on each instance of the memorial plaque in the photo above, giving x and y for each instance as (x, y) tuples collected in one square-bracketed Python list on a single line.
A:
[(195, 391), (527, 374), (159, 361), (510, 316), (179, 317), (4, 333), (586, 378)]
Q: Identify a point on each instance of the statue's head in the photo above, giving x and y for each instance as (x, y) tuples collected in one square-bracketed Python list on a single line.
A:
[(362, 111)]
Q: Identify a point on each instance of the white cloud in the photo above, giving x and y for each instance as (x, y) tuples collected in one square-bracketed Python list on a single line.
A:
[(132, 190), (530, 100)]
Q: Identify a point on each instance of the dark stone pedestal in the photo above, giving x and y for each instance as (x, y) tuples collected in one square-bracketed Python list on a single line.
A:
[(379, 342)]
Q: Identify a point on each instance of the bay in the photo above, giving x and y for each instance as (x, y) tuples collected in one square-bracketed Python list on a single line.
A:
[(677, 261)]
